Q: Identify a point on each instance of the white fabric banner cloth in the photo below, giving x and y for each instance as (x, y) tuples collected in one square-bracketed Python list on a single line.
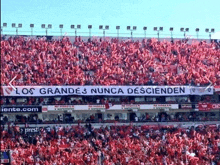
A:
[(106, 90)]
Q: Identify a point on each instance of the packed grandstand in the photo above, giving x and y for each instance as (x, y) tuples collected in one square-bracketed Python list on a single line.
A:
[(145, 145), (109, 62), (109, 101)]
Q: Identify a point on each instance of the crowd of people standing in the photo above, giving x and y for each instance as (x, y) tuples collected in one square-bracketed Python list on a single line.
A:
[(114, 145), (109, 62)]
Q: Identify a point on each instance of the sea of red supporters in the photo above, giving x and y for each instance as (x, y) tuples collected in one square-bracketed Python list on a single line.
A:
[(116, 145), (109, 62)]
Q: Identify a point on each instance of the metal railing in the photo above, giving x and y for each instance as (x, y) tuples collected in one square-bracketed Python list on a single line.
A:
[(107, 34)]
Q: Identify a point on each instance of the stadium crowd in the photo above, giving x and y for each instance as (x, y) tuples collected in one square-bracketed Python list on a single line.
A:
[(114, 145), (108, 62)]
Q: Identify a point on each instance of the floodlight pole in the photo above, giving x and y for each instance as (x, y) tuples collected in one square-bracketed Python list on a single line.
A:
[(44, 27), (61, 32), (210, 36), (145, 34), (131, 34), (31, 31), (16, 31), (197, 34), (118, 33), (184, 34), (104, 29), (14, 26), (46, 30), (89, 33), (158, 34), (75, 29), (171, 35), (2, 27), (104, 34)]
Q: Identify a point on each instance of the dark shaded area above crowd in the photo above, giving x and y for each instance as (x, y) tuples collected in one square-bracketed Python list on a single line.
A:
[(86, 100)]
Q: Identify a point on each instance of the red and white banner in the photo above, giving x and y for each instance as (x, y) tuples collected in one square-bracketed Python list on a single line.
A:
[(4, 161), (217, 88), (215, 106), (44, 109), (204, 106), (208, 106)]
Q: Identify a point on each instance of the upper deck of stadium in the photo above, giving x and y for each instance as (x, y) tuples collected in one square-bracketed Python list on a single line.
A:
[(108, 61)]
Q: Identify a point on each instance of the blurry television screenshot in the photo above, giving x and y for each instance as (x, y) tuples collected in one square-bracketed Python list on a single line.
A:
[(130, 82)]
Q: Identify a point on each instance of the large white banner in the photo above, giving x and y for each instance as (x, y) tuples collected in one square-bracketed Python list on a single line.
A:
[(106, 90)]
